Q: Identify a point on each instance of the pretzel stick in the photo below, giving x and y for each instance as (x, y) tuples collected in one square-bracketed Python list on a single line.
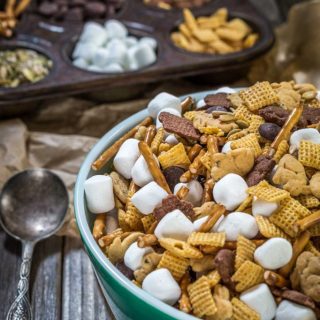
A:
[(184, 301), (147, 240), (196, 165), (108, 239), (99, 226), (298, 247), (187, 176), (275, 280), (194, 151), (23, 4), (204, 139), (212, 145), (207, 191), (186, 104), (152, 227), (153, 166), (307, 222), (218, 211), (150, 133), (10, 7), (182, 193), (286, 129), (110, 152)]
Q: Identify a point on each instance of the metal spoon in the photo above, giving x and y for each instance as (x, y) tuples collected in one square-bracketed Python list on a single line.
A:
[(33, 205)]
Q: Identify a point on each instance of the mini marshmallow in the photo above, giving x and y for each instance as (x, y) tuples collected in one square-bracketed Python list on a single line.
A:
[(117, 52), (94, 68), (225, 90), (238, 223), (99, 194), (309, 134), (171, 139), (100, 57), (134, 256), (161, 284), (148, 197), (126, 157), (161, 101), (199, 222), (85, 51), (140, 172), (263, 208), (288, 310), (131, 41), (260, 299), (149, 41), (169, 110), (230, 191), (174, 225), (94, 33), (144, 55), (201, 103), (226, 147), (274, 253), (195, 191), (80, 63), (116, 29), (113, 67)]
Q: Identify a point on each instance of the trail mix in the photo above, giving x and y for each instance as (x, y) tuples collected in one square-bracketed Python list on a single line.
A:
[(21, 66), (213, 206), (214, 34)]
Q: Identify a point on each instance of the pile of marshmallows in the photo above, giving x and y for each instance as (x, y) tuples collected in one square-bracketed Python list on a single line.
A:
[(230, 191), (110, 48)]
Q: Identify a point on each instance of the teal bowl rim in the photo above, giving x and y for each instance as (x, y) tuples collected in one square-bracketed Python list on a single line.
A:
[(92, 247)]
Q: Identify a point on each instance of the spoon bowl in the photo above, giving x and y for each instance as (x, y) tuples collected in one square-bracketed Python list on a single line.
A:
[(33, 205)]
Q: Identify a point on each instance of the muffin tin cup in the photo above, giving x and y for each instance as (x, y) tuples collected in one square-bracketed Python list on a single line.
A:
[(141, 20)]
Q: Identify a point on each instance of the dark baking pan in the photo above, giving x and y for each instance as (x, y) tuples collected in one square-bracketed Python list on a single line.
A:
[(57, 42)]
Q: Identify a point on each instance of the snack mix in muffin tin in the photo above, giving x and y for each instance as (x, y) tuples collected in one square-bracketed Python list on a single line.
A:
[(213, 206), (110, 48), (214, 34)]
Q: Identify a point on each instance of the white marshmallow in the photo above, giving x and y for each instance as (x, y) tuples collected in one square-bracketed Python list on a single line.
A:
[(238, 223), (148, 197), (151, 42), (134, 256), (174, 225), (171, 139), (94, 68), (201, 103), (263, 208), (309, 134), (274, 253), (113, 68), (230, 191), (99, 194), (84, 50), (195, 191), (116, 29), (226, 147), (117, 52), (140, 172), (199, 222), (260, 299), (169, 110), (288, 310), (225, 90), (94, 33), (144, 55), (100, 57), (161, 101), (126, 157), (161, 284), (80, 63), (130, 41)]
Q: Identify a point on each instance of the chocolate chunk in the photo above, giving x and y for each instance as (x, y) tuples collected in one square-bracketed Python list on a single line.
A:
[(224, 262), (77, 3), (74, 14), (262, 168), (269, 130), (217, 100), (215, 108), (202, 179), (311, 115), (170, 203), (48, 9), (298, 297), (172, 175), (181, 126), (124, 270), (95, 10)]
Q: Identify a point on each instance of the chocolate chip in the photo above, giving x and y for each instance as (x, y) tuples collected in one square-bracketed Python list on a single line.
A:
[(269, 130), (216, 108), (95, 9), (48, 9), (224, 261), (262, 168), (172, 175), (217, 100), (124, 270)]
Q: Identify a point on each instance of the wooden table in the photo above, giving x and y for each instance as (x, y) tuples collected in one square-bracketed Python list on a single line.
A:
[(62, 284)]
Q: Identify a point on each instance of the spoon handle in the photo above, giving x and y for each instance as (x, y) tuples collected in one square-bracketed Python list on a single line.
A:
[(20, 308)]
